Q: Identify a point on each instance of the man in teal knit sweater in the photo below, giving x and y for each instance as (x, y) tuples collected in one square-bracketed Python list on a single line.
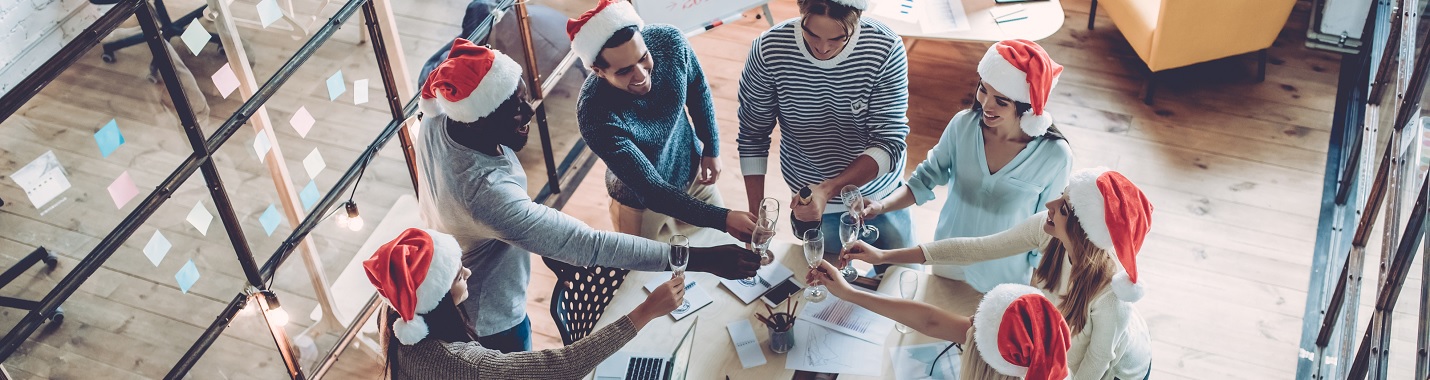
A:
[(637, 113)]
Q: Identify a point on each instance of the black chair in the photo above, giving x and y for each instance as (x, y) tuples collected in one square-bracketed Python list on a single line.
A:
[(581, 296), (170, 29), (35, 257)]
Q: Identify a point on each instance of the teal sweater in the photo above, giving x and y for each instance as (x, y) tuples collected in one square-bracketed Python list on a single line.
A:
[(648, 141)]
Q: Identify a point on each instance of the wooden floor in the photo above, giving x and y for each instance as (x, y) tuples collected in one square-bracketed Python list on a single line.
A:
[(1233, 167)]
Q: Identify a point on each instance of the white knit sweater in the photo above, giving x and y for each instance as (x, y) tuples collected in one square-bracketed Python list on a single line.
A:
[(1114, 344)]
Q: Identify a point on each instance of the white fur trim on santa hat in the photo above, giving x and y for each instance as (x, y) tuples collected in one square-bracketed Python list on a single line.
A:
[(1124, 288), (987, 320), (446, 262), (410, 332), (496, 86), (1035, 125), (592, 36), (1091, 208), (1000, 74), (856, 4)]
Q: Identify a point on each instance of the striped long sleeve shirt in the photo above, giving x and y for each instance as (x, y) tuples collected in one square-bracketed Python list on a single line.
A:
[(830, 112)]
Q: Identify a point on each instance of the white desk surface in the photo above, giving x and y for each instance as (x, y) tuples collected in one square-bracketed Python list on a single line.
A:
[(1045, 17), (714, 356)]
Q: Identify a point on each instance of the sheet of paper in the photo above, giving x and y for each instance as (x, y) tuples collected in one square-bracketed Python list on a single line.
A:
[(309, 195), (43, 179), (109, 138), (261, 145), (750, 289), (225, 80), (848, 318), (747, 346), (200, 218), (897, 10), (695, 296), (1002, 11), (915, 362), (270, 219), (122, 190), (302, 121), (157, 247), (195, 37), (336, 85), (187, 276), (360, 91), (314, 164), (942, 16), (269, 12), (819, 349)]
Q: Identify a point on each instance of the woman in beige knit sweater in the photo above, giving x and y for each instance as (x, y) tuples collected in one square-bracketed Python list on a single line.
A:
[(426, 336), (1089, 238)]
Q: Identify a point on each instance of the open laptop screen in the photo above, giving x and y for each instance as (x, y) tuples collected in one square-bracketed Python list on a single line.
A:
[(680, 360)]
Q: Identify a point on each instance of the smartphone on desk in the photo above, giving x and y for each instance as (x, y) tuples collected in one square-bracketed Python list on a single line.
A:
[(779, 293)]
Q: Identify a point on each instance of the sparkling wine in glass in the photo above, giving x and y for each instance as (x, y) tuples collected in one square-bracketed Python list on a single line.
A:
[(760, 239), (850, 229), (679, 254), (814, 254)]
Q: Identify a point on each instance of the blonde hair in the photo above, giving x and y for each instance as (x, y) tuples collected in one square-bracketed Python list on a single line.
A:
[(974, 367), (1092, 270)]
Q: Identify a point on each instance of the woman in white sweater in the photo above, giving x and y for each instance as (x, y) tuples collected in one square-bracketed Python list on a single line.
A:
[(1090, 237)]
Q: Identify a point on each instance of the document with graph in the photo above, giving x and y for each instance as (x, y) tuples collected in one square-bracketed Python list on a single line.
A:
[(847, 318)]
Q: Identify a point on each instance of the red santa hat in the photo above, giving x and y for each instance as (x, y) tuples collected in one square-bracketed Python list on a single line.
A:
[(1116, 216), (471, 83), (590, 31), (1022, 70), (1020, 333), (412, 273)]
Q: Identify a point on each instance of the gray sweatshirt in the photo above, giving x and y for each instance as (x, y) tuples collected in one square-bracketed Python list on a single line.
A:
[(481, 200)]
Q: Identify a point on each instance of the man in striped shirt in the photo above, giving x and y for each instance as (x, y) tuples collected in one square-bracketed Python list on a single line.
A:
[(838, 86)]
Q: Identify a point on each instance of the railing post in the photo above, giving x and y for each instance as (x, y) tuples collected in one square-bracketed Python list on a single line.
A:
[(533, 85)]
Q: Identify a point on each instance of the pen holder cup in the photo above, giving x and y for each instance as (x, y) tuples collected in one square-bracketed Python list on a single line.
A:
[(781, 338)]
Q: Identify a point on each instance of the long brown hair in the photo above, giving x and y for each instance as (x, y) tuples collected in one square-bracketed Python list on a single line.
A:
[(975, 368), (447, 323), (847, 15), (1092, 270)]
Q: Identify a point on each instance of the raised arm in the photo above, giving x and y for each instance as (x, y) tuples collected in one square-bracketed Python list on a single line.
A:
[(570, 362), (925, 318), (625, 160), (1023, 237)]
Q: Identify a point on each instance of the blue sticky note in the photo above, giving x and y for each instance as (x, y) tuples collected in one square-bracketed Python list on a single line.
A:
[(270, 219), (309, 195), (336, 86), (187, 276), (109, 138)]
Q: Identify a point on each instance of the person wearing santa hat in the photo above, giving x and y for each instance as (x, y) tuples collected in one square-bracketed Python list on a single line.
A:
[(1002, 161), (1090, 238), (474, 118), (637, 113), (838, 86), (1016, 332), (420, 277)]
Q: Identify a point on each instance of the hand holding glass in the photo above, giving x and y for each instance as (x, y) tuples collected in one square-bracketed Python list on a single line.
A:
[(852, 229), (679, 254), (814, 254)]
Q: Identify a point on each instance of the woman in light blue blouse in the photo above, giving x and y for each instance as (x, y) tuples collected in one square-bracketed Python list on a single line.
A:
[(1001, 160)]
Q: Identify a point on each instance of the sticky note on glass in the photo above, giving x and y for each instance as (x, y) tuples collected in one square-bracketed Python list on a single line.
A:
[(336, 85), (261, 145), (302, 121), (109, 138), (225, 80), (360, 91), (309, 195), (123, 190), (200, 218), (187, 276), (157, 247), (195, 37), (43, 179), (314, 164), (270, 219), (269, 12)]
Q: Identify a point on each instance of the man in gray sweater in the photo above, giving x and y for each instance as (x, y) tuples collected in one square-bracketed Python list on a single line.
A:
[(474, 118)]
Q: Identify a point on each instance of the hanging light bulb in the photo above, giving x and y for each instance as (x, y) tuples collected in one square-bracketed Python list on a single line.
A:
[(341, 218), (354, 219), (276, 315)]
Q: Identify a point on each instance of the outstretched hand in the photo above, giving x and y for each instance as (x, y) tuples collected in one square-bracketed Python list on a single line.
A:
[(862, 251), (826, 274), (728, 261)]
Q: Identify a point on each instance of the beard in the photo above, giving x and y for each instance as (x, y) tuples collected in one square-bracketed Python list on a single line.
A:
[(514, 140)]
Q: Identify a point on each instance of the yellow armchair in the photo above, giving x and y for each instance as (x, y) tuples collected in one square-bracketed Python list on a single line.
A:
[(1168, 34)]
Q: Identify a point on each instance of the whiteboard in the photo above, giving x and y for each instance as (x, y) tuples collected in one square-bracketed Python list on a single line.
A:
[(692, 15), (1345, 17)]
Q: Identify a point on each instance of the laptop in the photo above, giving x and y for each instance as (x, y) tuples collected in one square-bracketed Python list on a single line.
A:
[(632, 366)]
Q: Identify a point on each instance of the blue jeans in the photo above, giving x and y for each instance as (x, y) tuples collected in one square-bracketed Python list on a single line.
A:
[(895, 231), (515, 339)]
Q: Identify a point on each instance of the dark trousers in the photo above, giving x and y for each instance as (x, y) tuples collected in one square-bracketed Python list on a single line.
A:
[(515, 339)]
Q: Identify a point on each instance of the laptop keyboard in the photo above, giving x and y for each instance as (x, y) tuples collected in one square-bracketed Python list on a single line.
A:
[(646, 369)]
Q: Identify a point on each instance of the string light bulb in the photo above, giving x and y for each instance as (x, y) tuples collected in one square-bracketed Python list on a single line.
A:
[(350, 218), (276, 315)]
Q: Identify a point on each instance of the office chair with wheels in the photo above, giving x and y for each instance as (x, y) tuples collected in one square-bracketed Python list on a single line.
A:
[(170, 28), (35, 257)]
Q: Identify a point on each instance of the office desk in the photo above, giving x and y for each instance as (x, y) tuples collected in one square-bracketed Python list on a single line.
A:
[(1044, 19)]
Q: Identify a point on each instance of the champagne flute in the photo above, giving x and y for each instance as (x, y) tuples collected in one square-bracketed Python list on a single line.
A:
[(814, 254), (908, 286), (760, 239), (679, 254), (853, 199), (769, 212), (850, 228)]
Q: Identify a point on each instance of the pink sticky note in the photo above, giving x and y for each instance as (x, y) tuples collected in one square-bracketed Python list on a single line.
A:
[(302, 121), (122, 190), (225, 80)]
